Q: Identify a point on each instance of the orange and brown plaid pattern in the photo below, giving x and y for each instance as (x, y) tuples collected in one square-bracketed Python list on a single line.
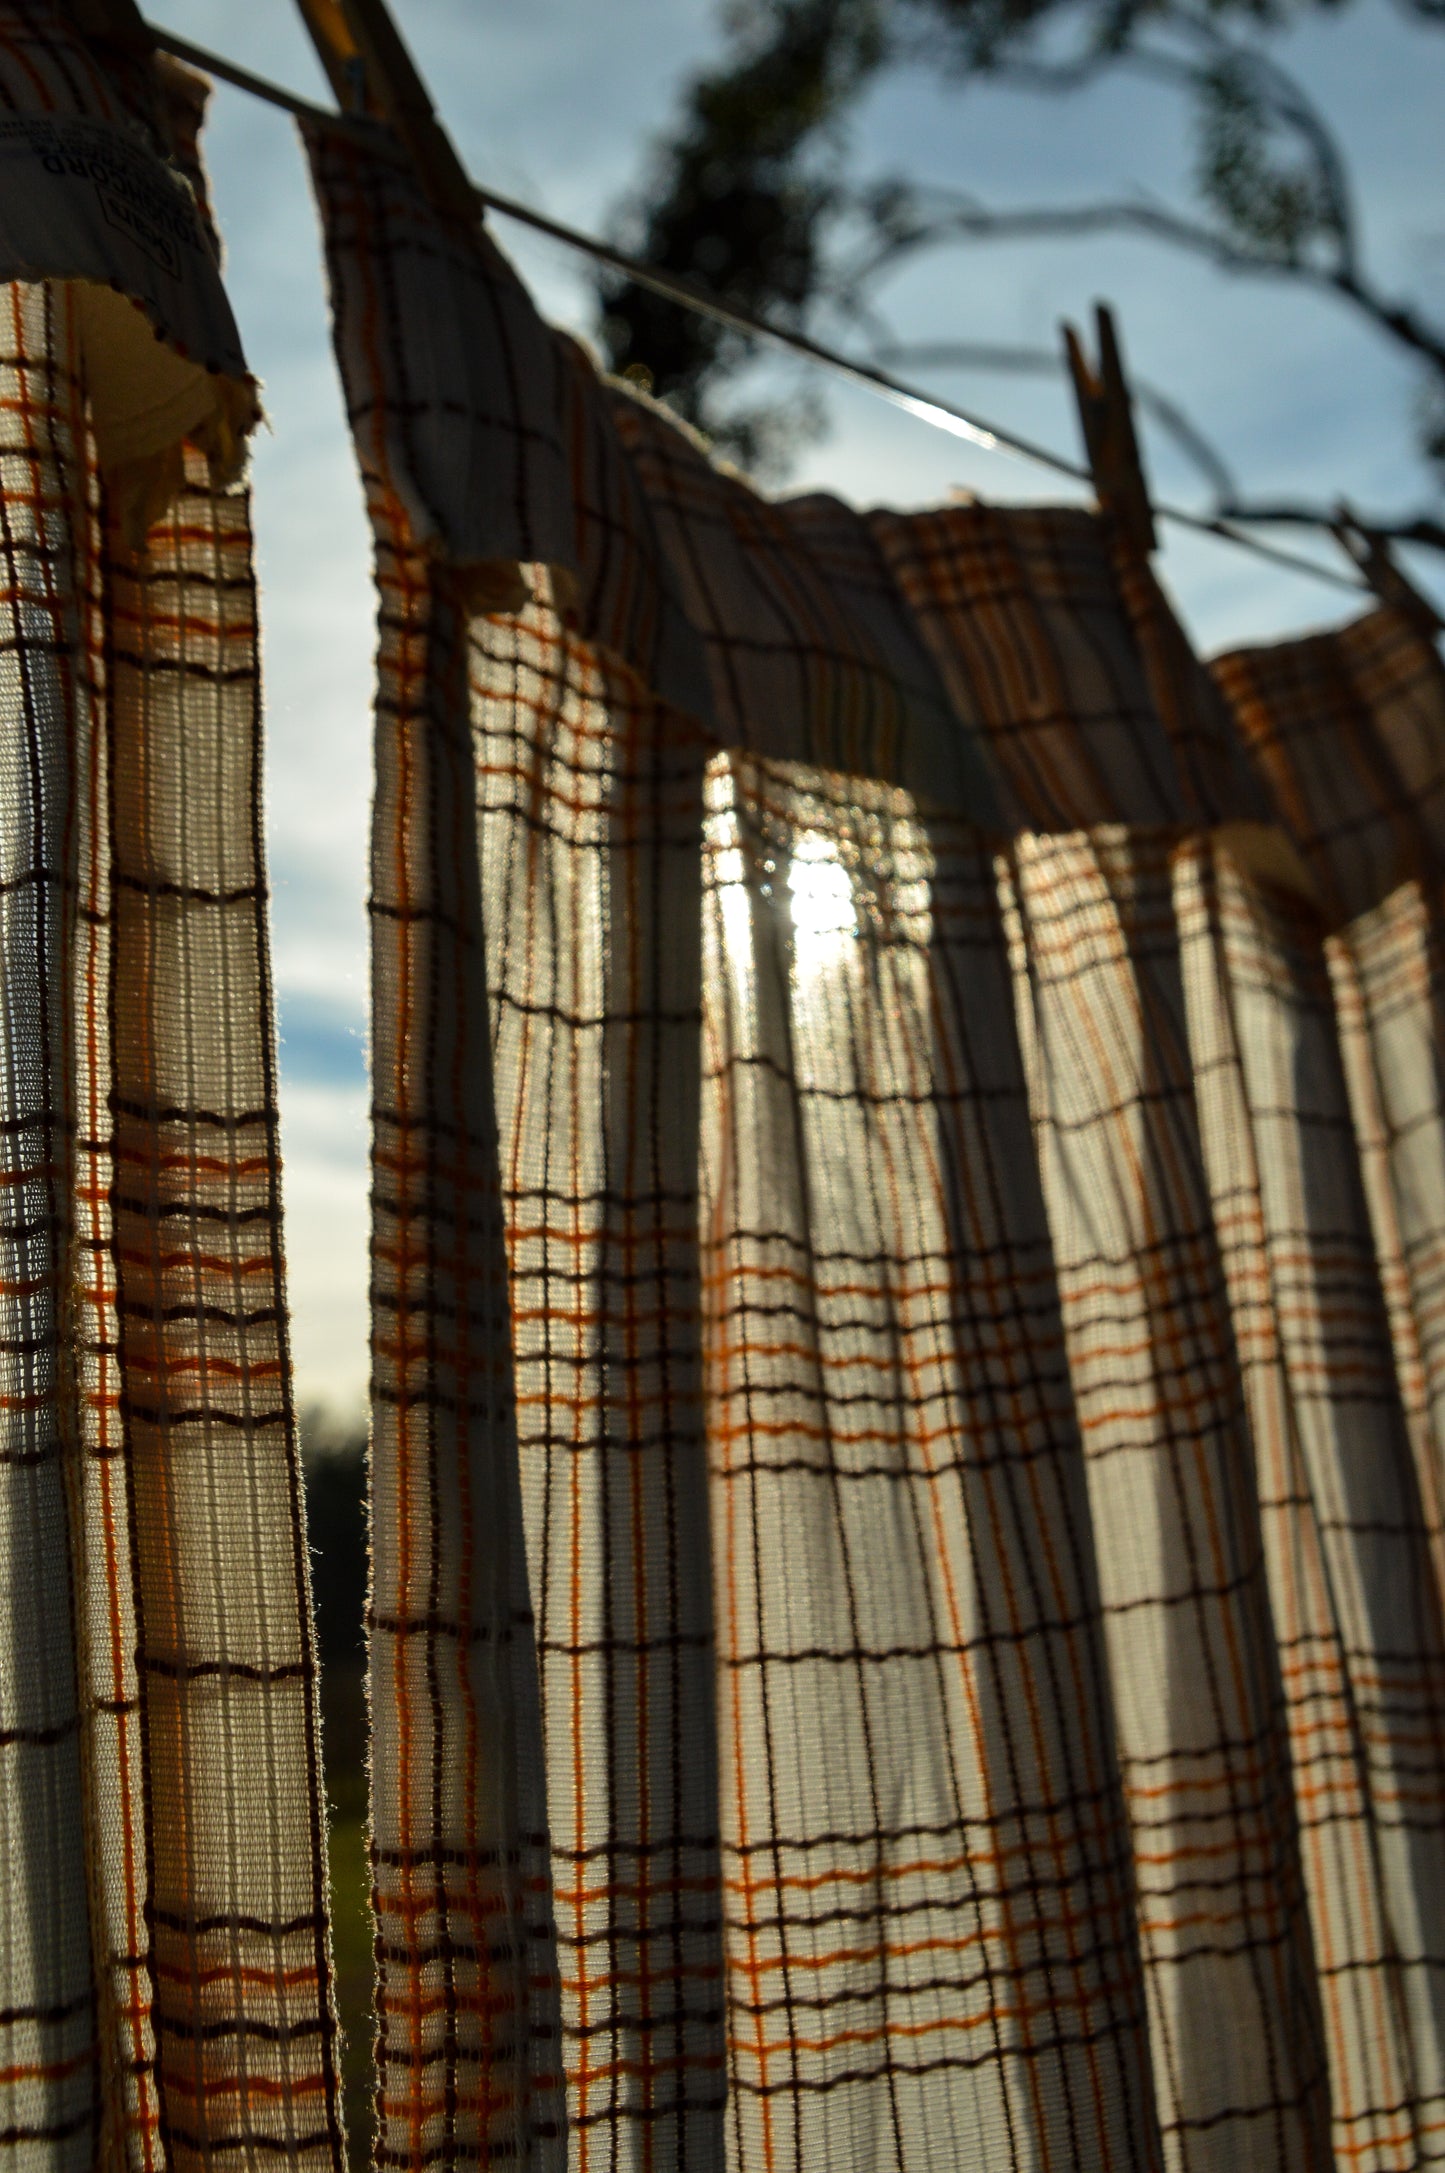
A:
[(1237, 2052), (1349, 729), (164, 1955), (235, 1899), (51, 2018), (589, 821), (932, 1952), (962, 1296), (1348, 1539), (468, 2053), (1345, 727)]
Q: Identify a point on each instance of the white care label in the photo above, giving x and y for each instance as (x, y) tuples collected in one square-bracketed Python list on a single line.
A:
[(81, 199)]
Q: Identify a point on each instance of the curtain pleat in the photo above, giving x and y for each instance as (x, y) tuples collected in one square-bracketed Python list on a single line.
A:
[(1238, 2059), (931, 1935), (589, 818), (165, 1993), (50, 2025), (1353, 1582), (468, 2054), (969, 1161), (235, 1863)]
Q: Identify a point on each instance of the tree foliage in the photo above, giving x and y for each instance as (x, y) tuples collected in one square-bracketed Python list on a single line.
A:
[(744, 197), (751, 193)]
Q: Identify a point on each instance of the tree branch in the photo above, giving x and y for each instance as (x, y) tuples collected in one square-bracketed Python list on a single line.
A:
[(1281, 95), (1422, 529), (964, 220), (1290, 103)]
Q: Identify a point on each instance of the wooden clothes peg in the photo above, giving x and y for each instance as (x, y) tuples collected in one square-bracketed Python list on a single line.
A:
[(337, 51), (370, 69), (1377, 562), (1106, 413)]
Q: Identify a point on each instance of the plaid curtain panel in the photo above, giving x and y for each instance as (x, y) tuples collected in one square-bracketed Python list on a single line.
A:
[(907, 1619), (164, 1969)]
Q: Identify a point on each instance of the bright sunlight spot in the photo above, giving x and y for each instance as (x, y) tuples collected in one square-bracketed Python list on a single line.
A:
[(821, 898)]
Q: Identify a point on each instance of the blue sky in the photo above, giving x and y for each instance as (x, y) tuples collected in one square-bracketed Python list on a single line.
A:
[(556, 103)]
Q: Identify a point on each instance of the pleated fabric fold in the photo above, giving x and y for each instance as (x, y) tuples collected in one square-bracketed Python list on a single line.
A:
[(952, 1088), (164, 1951)]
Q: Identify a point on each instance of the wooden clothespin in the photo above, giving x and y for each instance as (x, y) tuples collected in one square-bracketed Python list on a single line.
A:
[(1106, 413), (338, 53), (371, 71), (1377, 562)]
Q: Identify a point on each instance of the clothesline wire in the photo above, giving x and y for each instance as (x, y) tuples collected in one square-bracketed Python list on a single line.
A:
[(941, 414)]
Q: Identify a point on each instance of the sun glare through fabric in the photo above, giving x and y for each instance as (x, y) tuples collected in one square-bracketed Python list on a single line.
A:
[(820, 896)]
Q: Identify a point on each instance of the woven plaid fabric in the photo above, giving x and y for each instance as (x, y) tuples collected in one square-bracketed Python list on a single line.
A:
[(1238, 2059), (903, 1194), (1189, 1079), (810, 655), (468, 2053), (501, 1958), (164, 1968), (590, 825), (1348, 1539), (1346, 729), (1349, 729), (101, 186), (933, 1958), (546, 1866)]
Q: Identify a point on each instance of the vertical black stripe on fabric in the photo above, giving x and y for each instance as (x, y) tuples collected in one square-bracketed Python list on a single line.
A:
[(392, 805), (384, 738), (83, 492), (648, 782)]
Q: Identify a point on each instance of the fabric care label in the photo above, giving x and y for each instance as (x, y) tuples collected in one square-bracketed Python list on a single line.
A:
[(80, 199)]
